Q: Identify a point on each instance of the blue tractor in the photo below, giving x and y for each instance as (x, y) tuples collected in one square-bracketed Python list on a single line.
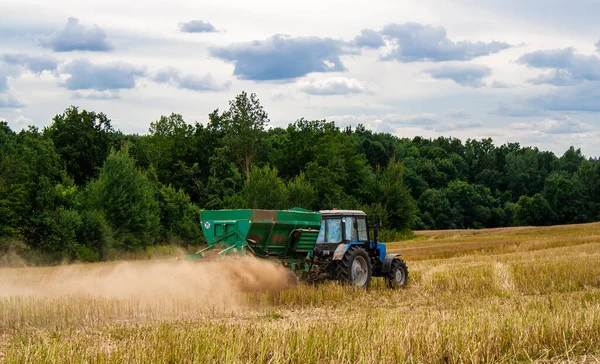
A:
[(345, 251)]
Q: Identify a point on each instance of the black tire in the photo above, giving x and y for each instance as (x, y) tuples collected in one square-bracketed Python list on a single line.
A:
[(397, 277), (358, 259), (292, 278)]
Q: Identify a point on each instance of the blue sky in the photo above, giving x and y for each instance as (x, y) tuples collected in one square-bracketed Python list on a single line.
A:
[(525, 71)]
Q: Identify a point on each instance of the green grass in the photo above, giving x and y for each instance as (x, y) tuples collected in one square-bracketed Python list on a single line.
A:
[(497, 295)]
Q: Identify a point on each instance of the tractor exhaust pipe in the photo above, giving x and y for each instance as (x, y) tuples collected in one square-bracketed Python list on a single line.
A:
[(376, 228)]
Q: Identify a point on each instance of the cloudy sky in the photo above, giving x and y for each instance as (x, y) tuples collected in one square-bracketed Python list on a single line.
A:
[(514, 70)]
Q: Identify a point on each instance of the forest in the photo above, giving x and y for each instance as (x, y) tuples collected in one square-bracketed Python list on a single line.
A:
[(79, 190)]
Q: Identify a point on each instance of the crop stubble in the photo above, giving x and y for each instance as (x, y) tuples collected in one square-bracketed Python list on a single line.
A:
[(496, 295)]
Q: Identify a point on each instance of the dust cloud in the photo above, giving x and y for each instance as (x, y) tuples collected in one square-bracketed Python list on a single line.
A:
[(221, 281)]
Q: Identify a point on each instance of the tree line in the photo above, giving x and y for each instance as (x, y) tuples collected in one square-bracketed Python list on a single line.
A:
[(79, 189)]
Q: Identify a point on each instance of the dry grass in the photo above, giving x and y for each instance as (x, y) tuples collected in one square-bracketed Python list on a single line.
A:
[(497, 295)]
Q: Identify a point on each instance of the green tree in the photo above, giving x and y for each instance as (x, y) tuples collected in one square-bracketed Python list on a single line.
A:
[(435, 211), (224, 181), (497, 217), (565, 197), (588, 178), (415, 183), (170, 143), (479, 155), (337, 170), (234, 162), (126, 198), (68, 224), (375, 153), (526, 171), (570, 160), (301, 193), (95, 235), (327, 182), (243, 126), (534, 211), (34, 186), (9, 196), (509, 212), (400, 206), (471, 204), (83, 141), (265, 189), (302, 143), (179, 217)]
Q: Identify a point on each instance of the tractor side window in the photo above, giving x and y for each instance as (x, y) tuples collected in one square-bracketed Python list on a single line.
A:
[(362, 230), (321, 237), (334, 231), (351, 234)]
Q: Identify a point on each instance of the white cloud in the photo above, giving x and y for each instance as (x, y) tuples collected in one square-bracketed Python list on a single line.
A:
[(333, 86), (569, 67), (282, 57), (460, 125), (85, 75), (469, 75), (175, 78), (35, 64), (77, 37), (22, 121), (8, 100), (271, 51), (96, 95), (387, 123), (418, 42), (197, 26), (564, 125), (499, 84), (458, 114), (421, 119)]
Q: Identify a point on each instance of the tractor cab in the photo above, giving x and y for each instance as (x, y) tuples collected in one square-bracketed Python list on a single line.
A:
[(343, 226), (343, 229)]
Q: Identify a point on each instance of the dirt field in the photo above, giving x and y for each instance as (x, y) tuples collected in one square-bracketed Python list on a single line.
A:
[(497, 295)]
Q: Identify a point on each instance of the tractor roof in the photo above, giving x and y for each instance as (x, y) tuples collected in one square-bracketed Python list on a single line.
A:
[(342, 213)]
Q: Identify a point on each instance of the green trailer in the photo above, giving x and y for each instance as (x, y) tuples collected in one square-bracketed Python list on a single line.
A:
[(288, 236), (315, 246)]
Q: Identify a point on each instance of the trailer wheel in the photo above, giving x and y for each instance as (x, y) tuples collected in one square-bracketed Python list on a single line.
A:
[(398, 274), (355, 268), (292, 278)]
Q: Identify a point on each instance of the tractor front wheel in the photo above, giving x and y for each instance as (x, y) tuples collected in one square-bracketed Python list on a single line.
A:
[(398, 274), (355, 268)]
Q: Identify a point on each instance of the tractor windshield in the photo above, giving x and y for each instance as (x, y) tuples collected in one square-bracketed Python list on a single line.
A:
[(331, 231)]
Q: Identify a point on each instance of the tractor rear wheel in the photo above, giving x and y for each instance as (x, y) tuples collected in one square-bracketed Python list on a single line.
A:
[(398, 274), (355, 268)]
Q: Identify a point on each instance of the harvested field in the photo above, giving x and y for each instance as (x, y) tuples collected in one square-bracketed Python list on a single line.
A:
[(496, 295)]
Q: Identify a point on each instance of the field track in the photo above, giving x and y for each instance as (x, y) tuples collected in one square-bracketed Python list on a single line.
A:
[(496, 295)]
